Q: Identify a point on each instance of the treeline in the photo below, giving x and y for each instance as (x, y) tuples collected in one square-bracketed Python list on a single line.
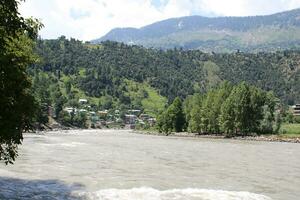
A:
[(228, 110)]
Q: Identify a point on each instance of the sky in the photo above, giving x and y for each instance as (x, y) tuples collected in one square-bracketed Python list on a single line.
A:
[(91, 19)]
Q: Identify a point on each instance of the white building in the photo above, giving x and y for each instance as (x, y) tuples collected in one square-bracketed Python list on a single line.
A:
[(296, 110), (70, 110), (83, 101)]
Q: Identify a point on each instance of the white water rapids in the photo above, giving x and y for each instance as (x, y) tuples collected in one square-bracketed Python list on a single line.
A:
[(121, 165)]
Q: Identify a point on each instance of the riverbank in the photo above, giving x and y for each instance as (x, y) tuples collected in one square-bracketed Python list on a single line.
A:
[(267, 138)]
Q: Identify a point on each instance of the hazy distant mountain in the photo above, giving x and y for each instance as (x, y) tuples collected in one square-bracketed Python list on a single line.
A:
[(257, 33)]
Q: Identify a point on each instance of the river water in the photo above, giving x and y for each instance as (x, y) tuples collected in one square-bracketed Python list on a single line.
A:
[(108, 164)]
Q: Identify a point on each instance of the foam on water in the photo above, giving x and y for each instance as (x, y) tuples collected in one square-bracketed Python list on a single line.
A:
[(27, 190), (173, 194), (71, 144)]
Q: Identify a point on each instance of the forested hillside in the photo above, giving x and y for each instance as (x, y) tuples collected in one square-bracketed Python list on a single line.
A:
[(220, 34), (117, 75)]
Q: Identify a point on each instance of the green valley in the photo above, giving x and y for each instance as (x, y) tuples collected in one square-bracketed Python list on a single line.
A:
[(114, 76)]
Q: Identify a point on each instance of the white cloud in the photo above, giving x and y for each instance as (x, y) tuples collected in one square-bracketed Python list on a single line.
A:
[(89, 19), (249, 7)]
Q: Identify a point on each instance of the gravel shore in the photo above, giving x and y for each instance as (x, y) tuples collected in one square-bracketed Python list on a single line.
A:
[(268, 138)]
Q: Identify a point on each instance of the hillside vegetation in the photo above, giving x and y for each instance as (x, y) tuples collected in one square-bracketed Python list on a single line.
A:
[(105, 72)]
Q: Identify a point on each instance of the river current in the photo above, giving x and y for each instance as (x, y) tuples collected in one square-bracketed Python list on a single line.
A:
[(121, 165)]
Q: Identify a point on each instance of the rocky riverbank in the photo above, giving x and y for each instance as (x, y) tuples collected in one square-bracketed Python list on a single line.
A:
[(267, 138)]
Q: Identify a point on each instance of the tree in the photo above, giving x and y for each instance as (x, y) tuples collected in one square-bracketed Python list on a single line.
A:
[(242, 110), (40, 89), (17, 105), (278, 121), (176, 111), (271, 118), (267, 122), (207, 114), (247, 110), (58, 105), (193, 113), (80, 120), (107, 102), (173, 118), (164, 123), (187, 107), (227, 116), (68, 86), (195, 124)]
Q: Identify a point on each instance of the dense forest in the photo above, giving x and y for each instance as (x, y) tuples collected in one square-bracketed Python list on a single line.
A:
[(117, 76), (105, 70)]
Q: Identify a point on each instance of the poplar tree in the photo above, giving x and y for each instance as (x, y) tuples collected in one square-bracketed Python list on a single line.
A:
[(173, 118)]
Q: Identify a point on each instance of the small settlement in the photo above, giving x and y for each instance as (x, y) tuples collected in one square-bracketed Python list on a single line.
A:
[(129, 119)]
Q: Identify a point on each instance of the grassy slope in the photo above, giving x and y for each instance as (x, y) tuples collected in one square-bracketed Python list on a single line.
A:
[(78, 93), (153, 103), (290, 130)]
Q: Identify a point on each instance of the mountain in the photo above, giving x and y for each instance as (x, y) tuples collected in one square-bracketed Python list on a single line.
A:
[(219, 34)]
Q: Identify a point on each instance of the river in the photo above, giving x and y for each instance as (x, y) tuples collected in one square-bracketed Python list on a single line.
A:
[(114, 164)]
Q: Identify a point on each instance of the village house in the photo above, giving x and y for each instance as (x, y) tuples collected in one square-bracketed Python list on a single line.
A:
[(83, 101), (130, 119), (152, 121), (134, 112), (82, 110), (94, 117), (103, 114), (296, 110), (144, 117), (70, 110), (92, 113)]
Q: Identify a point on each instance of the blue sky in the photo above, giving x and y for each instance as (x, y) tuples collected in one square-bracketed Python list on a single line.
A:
[(90, 19)]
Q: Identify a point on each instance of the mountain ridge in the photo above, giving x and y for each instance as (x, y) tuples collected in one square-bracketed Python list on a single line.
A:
[(221, 34)]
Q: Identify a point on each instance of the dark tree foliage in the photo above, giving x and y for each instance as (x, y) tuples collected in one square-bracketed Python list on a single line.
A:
[(173, 119), (16, 101), (233, 110)]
